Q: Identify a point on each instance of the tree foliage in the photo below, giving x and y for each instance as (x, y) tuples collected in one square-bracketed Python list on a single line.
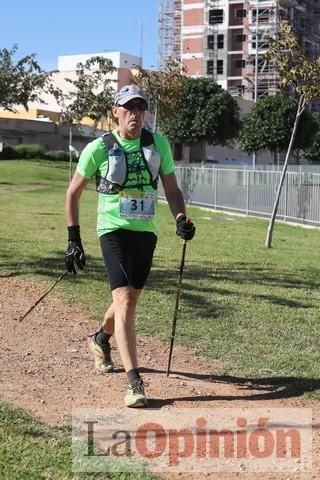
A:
[(21, 81), (295, 69), (91, 93), (163, 89), (190, 110), (312, 152), (268, 126), (206, 114), (300, 73)]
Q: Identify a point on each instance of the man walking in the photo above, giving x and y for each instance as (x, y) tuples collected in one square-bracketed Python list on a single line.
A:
[(126, 163)]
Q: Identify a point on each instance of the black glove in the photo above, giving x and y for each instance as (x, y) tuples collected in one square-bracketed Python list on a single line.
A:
[(74, 256), (185, 228)]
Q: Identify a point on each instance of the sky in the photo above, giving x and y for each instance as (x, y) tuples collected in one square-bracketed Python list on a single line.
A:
[(50, 28)]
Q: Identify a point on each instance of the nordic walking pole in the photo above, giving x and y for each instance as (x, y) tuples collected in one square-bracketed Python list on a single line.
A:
[(175, 315), (22, 317)]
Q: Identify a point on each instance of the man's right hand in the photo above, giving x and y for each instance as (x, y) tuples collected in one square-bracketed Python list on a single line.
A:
[(74, 256)]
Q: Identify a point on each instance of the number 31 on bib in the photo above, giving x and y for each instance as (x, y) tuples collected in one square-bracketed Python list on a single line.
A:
[(136, 204)]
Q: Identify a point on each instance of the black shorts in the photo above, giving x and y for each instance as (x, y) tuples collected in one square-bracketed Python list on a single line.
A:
[(128, 257)]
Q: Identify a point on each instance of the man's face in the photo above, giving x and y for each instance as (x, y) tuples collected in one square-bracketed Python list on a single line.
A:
[(130, 117)]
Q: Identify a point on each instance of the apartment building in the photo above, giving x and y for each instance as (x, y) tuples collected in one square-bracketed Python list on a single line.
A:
[(226, 39)]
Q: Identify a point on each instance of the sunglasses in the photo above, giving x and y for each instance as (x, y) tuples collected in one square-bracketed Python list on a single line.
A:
[(132, 105)]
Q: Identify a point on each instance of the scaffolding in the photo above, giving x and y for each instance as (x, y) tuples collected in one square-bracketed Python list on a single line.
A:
[(169, 20), (264, 18), (210, 40), (244, 69), (260, 76)]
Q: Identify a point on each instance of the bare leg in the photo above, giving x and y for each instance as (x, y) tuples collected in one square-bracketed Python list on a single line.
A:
[(124, 306), (108, 321)]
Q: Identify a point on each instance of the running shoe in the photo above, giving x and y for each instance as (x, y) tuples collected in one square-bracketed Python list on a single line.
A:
[(102, 355), (135, 397)]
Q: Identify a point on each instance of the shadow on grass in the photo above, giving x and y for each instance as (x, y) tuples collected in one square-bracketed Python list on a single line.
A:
[(195, 276), (51, 267), (244, 273), (272, 388)]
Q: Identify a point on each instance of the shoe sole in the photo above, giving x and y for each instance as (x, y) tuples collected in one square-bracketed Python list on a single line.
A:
[(138, 404), (91, 347)]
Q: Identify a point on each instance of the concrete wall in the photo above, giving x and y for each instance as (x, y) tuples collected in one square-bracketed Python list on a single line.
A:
[(47, 134)]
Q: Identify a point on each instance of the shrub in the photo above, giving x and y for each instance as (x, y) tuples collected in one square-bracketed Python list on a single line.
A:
[(29, 151), (33, 151), (58, 155)]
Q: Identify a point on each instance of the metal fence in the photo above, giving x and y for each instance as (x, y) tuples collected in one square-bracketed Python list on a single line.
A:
[(252, 192)]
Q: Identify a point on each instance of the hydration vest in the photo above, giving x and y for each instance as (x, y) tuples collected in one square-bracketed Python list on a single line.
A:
[(117, 172)]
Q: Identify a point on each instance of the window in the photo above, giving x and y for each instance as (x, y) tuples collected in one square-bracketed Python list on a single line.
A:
[(220, 41), (239, 63), (262, 43), (210, 42), (219, 67), (210, 67), (215, 16), (263, 15), (240, 13), (240, 38)]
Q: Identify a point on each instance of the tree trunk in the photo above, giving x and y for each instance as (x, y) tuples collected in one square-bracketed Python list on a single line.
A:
[(283, 174), (275, 157), (202, 147)]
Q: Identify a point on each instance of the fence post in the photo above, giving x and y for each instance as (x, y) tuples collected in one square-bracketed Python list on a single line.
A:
[(190, 186), (286, 198), (215, 186), (248, 191)]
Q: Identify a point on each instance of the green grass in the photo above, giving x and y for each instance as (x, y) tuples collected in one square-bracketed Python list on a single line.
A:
[(256, 310), (32, 451)]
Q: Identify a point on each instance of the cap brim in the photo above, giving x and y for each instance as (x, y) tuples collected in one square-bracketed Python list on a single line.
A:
[(127, 99)]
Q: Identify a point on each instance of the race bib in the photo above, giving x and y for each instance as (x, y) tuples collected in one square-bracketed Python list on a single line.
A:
[(136, 204)]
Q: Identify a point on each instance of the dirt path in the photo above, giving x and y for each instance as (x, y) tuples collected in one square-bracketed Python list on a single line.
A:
[(47, 369)]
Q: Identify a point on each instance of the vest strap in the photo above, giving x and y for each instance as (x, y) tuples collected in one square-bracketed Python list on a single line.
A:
[(113, 184), (146, 139)]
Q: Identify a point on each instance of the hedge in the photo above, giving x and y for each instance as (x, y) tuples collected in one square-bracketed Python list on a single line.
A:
[(27, 151)]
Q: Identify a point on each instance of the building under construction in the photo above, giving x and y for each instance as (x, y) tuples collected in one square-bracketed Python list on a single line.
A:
[(226, 39)]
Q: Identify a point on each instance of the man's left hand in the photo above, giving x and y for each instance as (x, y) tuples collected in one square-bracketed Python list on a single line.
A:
[(185, 228)]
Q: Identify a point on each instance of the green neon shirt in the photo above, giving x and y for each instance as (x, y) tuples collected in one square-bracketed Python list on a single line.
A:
[(94, 161)]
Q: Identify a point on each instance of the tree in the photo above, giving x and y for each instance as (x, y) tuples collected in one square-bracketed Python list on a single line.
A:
[(312, 152), (269, 124), (299, 73), (163, 89), (205, 114), (91, 95), (21, 81)]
